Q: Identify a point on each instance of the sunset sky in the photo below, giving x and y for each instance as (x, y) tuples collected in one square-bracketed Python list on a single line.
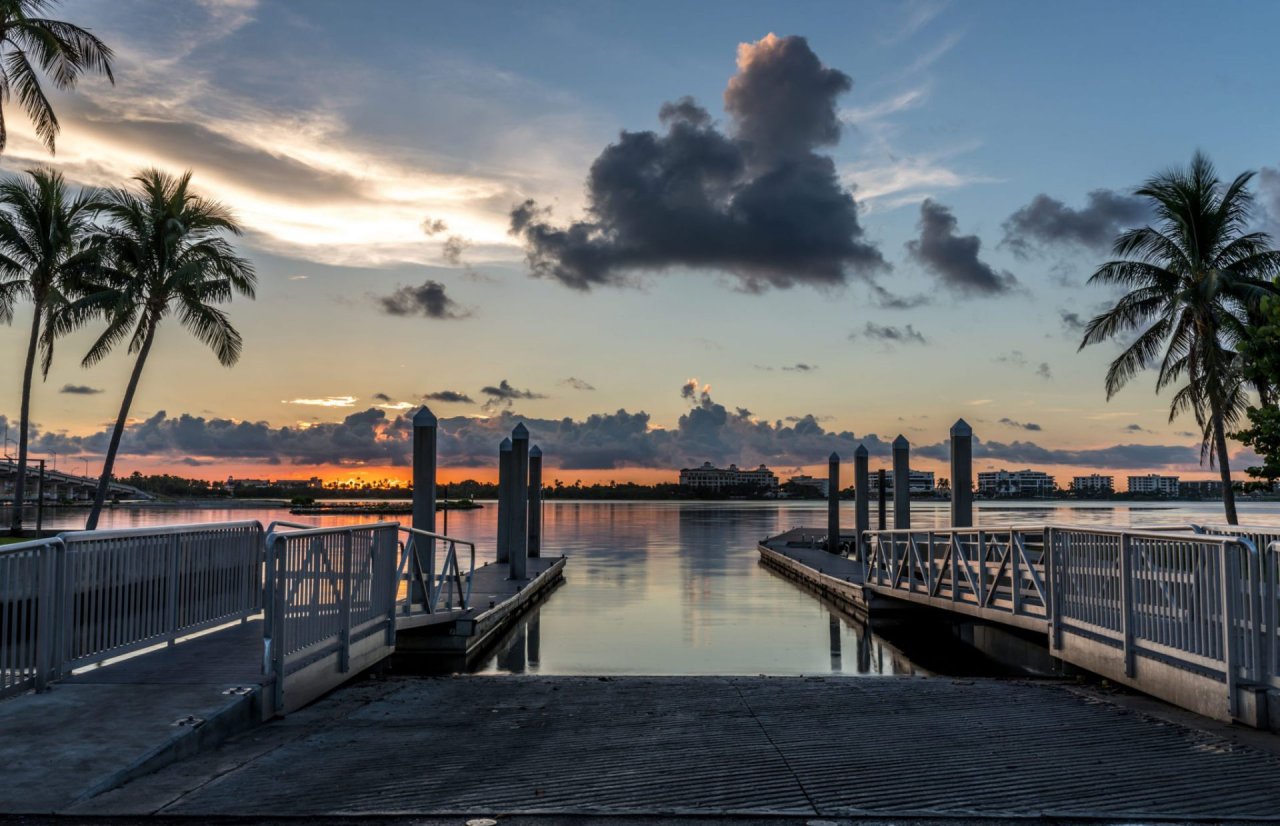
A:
[(660, 234)]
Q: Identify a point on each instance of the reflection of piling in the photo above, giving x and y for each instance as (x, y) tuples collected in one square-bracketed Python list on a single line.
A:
[(40, 500), (833, 503), (861, 498), (883, 483), (901, 483), (961, 475), (535, 501), (833, 631), (424, 494), (535, 641), (864, 650), (504, 499), (518, 527)]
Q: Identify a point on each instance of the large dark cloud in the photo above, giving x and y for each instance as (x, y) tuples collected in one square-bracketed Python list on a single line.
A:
[(428, 300), (1047, 221), (755, 201), (952, 258)]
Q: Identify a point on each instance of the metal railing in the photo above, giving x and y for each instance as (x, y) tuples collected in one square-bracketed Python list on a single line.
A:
[(123, 590), (1271, 608), (331, 589), (28, 575), (997, 570), (418, 569), (1193, 600)]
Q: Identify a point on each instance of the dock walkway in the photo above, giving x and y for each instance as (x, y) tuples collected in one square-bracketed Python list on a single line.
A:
[(829, 747)]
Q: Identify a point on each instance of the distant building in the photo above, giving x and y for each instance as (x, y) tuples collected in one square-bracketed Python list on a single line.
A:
[(1154, 485), (1015, 483), (1094, 483), (1207, 489), (813, 482), (298, 484), (234, 484), (919, 482), (709, 477)]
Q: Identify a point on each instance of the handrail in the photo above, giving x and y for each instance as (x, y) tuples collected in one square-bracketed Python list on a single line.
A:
[(285, 523), (429, 584), (166, 530), (30, 544), (312, 530)]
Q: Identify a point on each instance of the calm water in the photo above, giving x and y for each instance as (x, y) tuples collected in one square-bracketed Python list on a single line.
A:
[(676, 587)]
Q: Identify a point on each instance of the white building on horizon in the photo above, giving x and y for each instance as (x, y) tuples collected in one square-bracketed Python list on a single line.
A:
[(1094, 483), (820, 484), (710, 477), (1015, 483), (919, 482), (1153, 484)]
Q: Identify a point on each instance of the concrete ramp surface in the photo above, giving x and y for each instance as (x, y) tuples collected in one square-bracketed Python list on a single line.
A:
[(827, 747)]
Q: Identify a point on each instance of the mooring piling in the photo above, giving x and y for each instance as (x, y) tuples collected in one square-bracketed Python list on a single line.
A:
[(518, 526), (833, 503), (961, 475), (901, 483), (861, 498), (504, 499), (882, 492), (425, 434), (535, 502)]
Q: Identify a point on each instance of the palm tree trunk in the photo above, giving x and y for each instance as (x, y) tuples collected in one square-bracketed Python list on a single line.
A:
[(24, 425), (1228, 493), (104, 483)]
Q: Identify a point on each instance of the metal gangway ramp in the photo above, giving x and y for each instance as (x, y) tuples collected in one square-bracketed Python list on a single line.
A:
[(1188, 615), (283, 613)]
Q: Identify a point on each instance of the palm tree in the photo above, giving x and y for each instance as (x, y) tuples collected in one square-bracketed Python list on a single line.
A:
[(43, 255), (63, 52), (1194, 280), (163, 254)]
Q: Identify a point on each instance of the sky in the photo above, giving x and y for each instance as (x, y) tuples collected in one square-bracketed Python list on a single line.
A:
[(658, 233)]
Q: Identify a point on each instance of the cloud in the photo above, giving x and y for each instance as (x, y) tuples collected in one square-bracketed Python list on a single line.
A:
[(800, 367), (891, 301), (381, 397), (952, 258), (449, 397), (1269, 194), (1047, 221), (707, 431), (888, 334), (80, 390), (577, 384), (428, 301), (1072, 321), (1023, 425), (1044, 371), (453, 248), (757, 202), (433, 226), (503, 394), (327, 401), (1137, 428)]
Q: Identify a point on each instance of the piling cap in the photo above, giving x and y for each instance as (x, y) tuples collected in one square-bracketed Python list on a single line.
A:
[(861, 452), (520, 432), (535, 452), (961, 427), (424, 417), (506, 445), (901, 441), (834, 457)]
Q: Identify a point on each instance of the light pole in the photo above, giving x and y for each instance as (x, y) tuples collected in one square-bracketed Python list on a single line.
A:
[(86, 468)]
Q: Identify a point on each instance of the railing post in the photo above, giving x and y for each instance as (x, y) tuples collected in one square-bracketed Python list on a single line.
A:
[(275, 649), (901, 483), (982, 569), (46, 595), (861, 498), (1127, 613), (1050, 556), (387, 553), (833, 503), (171, 629), (1014, 576), (1230, 651), (344, 656)]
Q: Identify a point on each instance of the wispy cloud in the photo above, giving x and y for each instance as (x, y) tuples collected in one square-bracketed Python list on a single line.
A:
[(326, 401)]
